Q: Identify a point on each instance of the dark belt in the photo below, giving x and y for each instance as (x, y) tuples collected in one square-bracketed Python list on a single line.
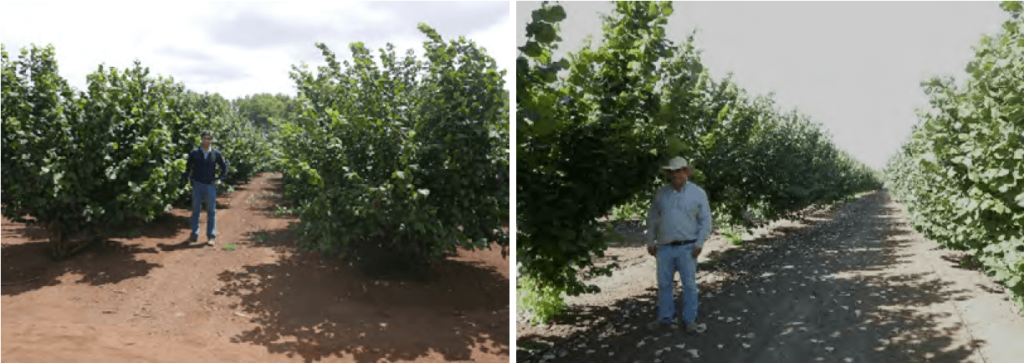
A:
[(682, 243)]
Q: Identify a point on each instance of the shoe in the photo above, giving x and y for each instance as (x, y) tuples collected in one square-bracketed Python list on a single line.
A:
[(655, 325), (212, 241), (691, 328), (193, 239)]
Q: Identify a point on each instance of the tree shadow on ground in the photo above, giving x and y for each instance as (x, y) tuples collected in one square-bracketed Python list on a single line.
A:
[(825, 292), (962, 260), (274, 199), (998, 289), (164, 226), (597, 317), (28, 263), (316, 308), (29, 266), (183, 245), (632, 236)]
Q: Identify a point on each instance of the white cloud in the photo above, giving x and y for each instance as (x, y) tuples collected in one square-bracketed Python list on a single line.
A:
[(234, 48)]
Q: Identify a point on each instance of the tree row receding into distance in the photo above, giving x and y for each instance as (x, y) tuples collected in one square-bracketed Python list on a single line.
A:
[(594, 128), (961, 173)]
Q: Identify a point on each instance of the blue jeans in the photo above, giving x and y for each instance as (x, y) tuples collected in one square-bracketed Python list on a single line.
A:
[(670, 260), (204, 193)]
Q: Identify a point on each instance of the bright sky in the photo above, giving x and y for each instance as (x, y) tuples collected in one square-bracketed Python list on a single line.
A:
[(855, 68), (240, 48)]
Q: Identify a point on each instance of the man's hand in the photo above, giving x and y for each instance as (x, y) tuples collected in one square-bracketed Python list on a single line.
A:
[(696, 252), (653, 250), (216, 182)]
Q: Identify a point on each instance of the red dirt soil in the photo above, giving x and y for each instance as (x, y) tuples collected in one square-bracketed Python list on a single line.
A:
[(150, 298)]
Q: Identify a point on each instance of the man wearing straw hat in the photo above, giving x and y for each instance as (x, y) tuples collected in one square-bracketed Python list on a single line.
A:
[(678, 223)]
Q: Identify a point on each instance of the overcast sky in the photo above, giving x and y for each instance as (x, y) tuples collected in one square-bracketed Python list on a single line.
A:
[(855, 68), (240, 48)]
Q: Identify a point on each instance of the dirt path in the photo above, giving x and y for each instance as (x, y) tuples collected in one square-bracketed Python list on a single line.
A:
[(854, 286), (148, 299)]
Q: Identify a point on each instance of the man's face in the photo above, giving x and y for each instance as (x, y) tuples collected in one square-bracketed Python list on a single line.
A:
[(678, 177), (207, 141)]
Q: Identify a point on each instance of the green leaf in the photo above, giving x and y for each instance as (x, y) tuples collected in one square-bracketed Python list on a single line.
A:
[(1013, 7), (722, 113), (555, 14), (544, 126), (546, 33), (532, 49), (676, 146)]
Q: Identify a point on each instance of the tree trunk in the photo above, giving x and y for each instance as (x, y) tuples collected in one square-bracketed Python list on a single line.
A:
[(62, 245), (57, 239)]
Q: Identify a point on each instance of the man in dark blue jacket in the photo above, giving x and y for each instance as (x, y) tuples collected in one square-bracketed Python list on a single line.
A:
[(204, 161)]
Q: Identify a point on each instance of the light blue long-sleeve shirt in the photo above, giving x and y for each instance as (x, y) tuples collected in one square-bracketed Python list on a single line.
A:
[(679, 216)]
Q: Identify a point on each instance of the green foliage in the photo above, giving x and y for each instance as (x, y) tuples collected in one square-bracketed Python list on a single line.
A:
[(545, 302), (751, 157), (261, 107), (82, 163), (406, 155), (586, 144), (284, 211), (733, 236), (242, 143), (961, 173), (594, 129)]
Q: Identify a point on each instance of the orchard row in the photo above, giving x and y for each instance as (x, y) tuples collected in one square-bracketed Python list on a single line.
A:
[(594, 128), (405, 154), (961, 173)]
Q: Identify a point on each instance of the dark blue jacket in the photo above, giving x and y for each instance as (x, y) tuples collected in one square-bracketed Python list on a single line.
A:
[(205, 168)]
